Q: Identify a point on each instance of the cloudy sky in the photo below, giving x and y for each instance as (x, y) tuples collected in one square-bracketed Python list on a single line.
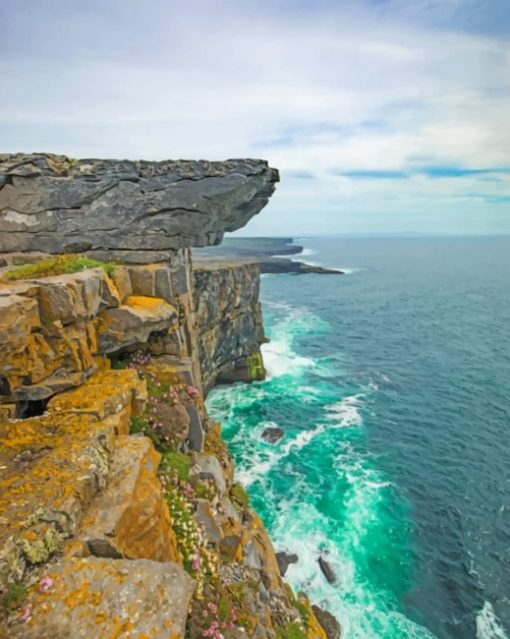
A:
[(383, 116)]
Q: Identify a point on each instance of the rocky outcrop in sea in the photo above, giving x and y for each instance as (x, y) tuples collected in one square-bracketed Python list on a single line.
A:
[(120, 512)]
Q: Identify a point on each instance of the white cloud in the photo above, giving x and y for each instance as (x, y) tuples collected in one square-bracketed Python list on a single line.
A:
[(315, 91)]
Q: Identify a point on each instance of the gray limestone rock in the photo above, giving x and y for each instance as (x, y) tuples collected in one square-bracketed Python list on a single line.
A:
[(134, 211)]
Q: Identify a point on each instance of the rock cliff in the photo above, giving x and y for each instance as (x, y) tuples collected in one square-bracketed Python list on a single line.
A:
[(229, 322), (120, 513)]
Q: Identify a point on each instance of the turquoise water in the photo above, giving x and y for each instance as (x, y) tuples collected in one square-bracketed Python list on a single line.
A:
[(392, 384)]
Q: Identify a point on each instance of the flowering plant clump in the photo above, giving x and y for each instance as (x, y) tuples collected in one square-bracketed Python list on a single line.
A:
[(160, 420), (199, 561), (215, 615)]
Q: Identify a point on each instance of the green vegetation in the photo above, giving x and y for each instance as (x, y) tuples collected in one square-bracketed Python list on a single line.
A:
[(256, 366), (175, 463), (13, 598), (240, 495), (303, 611), (62, 264), (291, 631)]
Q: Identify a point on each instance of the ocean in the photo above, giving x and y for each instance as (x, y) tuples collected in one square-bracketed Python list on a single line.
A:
[(392, 386)]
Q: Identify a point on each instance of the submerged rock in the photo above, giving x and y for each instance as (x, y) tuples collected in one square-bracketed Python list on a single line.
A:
[(284, 560), (327, 571), (272, 435)]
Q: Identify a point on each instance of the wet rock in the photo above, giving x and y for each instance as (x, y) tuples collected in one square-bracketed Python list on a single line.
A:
[(272, 435), (95, 597), (132, 211), (327, 571), (284, 560), (328, 622)]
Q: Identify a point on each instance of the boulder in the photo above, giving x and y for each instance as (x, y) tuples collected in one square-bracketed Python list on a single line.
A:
[(128, 210)]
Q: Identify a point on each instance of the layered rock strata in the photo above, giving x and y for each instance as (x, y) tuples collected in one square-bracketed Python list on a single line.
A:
[(132, 211)]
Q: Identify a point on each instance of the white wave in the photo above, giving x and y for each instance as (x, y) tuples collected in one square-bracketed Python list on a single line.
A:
[(346, 411), (279, 359), (487, 624), (349, 270), (304, 438)]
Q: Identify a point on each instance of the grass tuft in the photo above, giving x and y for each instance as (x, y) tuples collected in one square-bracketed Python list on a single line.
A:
[(59, 265)]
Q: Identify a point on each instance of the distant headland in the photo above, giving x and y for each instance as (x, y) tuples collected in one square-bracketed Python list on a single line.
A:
[(269, 252)]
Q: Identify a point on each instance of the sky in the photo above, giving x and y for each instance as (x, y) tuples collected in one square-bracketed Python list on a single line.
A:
[(383, 116)]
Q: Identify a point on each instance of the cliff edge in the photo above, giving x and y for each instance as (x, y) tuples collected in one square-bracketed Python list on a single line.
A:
[(120, 512)]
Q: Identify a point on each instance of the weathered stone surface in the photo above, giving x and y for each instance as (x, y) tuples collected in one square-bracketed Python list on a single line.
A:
[(105, 598), (258, 552), (107, 392), (229, 322), (69, 298), (206, 519), (130, 518), (137, 211), (51, 467), (133, 322), (330, 624)]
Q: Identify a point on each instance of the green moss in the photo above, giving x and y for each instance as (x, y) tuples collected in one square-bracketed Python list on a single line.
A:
[(291, 631), (62, 264), (13, 598), (256, 366), (240, 495), (303, 611), (176, 463), (202, 490)]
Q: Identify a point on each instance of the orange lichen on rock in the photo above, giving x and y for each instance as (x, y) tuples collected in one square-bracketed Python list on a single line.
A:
[(107, 598), (107, 392), (130, 517), (52, 467)]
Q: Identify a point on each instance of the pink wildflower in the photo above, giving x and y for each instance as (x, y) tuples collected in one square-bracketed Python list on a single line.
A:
[(196, 562), (45, 584), (25, 614), (213, 608)]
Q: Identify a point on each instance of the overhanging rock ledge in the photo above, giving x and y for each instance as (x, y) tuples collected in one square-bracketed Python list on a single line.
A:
[(133, 211)]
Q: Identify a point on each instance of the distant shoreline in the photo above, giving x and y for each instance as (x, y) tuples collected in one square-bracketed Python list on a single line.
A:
[(269, 253)]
